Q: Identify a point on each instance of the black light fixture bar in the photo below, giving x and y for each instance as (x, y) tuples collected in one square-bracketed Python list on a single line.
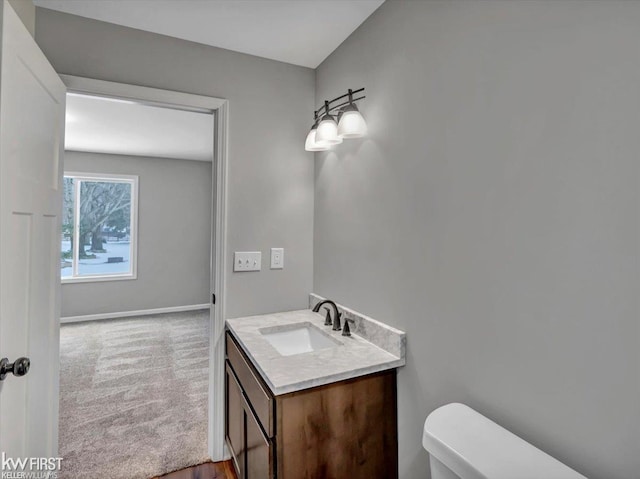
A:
[(345, 103), (350, 93)]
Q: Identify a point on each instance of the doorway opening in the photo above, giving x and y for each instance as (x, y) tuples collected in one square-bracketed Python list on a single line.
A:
[(142, 264)]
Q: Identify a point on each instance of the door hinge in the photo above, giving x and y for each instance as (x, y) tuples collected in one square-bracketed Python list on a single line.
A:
[(213, 298)]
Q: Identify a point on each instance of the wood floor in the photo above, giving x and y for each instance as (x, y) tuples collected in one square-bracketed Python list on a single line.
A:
[(208, 470)]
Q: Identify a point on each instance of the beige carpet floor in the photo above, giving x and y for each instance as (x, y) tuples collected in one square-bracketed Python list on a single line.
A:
[(133, 396)]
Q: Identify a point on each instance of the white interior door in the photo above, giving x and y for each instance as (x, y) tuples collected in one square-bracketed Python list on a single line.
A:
[(32, 100)]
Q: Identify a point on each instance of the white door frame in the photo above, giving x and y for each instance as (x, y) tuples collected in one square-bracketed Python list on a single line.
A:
[(220, 109)]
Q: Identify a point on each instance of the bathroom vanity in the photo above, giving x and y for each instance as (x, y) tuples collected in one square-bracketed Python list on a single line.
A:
[(303, 401)]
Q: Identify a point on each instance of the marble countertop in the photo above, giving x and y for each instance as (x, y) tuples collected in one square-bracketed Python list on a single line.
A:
[(353, 356)]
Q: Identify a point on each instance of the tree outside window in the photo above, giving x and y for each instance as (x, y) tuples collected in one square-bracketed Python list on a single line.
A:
[(98, 227)]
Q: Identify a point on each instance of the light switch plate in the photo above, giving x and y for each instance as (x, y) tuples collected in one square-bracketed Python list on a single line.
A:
[(247, 261), (277, 258)]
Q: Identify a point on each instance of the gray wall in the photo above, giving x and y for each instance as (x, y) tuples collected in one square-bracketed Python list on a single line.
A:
[(174, 236), (492, 213), (270, 197)]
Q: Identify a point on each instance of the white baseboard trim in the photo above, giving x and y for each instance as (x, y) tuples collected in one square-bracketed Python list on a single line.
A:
[(126, 314)]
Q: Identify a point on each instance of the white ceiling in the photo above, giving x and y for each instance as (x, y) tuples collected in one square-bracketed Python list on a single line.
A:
[(302, 32), (121, 127)]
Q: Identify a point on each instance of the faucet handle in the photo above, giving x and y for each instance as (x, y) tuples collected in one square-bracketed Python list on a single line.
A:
[(327, 318), (346, 330)]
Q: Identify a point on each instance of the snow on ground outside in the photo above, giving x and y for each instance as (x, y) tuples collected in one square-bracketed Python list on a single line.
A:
[(100, 265)]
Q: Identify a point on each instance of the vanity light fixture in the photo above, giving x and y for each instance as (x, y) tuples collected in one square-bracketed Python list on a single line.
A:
[(328, 129), (331, 131), (311, 144), (351, 123)]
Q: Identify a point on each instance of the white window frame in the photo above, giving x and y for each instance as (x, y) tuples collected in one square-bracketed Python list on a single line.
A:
[(110, 178)]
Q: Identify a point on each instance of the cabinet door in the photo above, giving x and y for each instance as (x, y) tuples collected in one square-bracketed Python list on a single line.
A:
[(258, 449), (235, 418)]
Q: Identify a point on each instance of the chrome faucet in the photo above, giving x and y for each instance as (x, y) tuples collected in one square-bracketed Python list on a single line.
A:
[(336, 313)]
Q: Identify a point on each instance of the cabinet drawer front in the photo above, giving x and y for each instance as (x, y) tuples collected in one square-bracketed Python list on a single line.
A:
[(260, 399), (258, 449), (234, 424)]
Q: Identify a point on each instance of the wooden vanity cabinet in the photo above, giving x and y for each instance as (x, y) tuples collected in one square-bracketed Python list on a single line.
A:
[(346, 429)]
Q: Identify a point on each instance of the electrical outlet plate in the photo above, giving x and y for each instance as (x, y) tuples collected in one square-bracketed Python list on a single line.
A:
[(277, 258), (247, 261)]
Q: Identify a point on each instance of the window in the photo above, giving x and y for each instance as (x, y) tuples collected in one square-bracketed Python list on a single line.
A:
[(99, 221)]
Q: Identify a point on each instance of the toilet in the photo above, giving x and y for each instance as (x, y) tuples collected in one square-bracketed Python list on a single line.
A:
[(463, 444)]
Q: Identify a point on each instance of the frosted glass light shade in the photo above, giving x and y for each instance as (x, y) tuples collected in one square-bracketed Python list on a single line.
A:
[(328, 132), (351, 124), (311, 144)]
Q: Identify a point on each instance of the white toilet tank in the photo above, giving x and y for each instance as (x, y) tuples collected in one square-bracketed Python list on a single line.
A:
[(463, 444)]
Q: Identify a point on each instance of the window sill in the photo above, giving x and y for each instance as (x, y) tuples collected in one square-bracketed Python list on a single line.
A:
[(97, 279)]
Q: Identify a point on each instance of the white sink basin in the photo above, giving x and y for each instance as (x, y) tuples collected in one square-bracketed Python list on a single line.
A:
[(298, 338)]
